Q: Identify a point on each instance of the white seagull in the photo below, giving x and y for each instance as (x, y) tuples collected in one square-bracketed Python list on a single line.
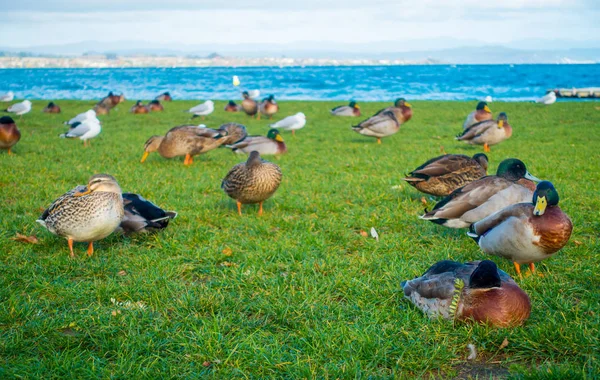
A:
[(84, 130), (291, 123), (254, 94), (8, 97), (549, 98), (88, 115), (20, 108), (203, 109)]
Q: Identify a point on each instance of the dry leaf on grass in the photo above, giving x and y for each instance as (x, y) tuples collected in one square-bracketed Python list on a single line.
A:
[(206, 364), (122, 273), (363, 233), (577, 243), (227, 251), (504, 343), (228, 264), (424, 201), (26, 239)]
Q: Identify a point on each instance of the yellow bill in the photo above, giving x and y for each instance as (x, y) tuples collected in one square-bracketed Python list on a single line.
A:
[(540, 206), (279, 138), (487, 109), (144, 157)]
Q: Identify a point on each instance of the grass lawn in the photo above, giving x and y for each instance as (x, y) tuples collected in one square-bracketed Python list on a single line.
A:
[(298, 292)]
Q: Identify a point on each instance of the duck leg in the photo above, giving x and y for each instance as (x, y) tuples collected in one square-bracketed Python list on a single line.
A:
[(188, 160), (260, 209), (294, 132), (518, 269), (486, 148), (90, 249), (70, 241), (378, 140), (9, 152), (239, 206)]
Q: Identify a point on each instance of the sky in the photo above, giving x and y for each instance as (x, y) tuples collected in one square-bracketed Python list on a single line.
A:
[(399, 25)]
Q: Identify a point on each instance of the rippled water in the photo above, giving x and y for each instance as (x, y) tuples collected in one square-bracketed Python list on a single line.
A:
[(382, 83)]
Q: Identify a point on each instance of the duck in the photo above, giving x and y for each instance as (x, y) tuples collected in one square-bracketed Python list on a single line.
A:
[(401, 109), (525, 233), (441, 175), (487, 133), (473, 292), (111, 100), (164, 97), (20, 109), (143, 216), (155, 106), (482, 113), (253, 181), (291, 123), (268, 107), (382, 124), (7, 97), (232, 107), (352, 109), (139, 108), (203, 109), (9, 133), (51, 108), (101, 109), (233, 131), (272, 144), (249, 105), (87, 115), (184, 140), (84, 130), (483, 197), (549, 98), (86, 213)]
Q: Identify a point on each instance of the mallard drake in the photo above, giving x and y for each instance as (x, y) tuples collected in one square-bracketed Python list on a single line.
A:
[(87, 115), (351, 109), (139, 108), (483, 197), (86, 213), (203, 109), (271, 144), (249, 105), (291, 123), (9, 133), (405, 113), (85, 130), (253, 181), (185, 140), (233, 131), (380, 125), (268, 107), (164, 97), (51, 108), (155, 106), (471, 292), (141, 215), (482, 113), (487, 133), (20, 109), (525, 233), (443, 174), (232, 107)]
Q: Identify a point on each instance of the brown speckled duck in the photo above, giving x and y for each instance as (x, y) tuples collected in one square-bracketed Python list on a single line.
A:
[(525, 233), (472, 292), (268, 107), (401, 109), (9, 133), (253, 181), (249, 105), (482, 113), (487, 133), (51, 108)]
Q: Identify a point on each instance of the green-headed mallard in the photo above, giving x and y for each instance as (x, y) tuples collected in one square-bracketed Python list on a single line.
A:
[(487, 133), (525, 233), (483, 197), (51, 108), (401, 109), (268, 107), (271, 144), (351, 109), (86, 213), (141, 215), (472, 292), (249, 105), (380, 125), (253, 181), (9, 133), (232, 107), (164, 97), (139, 108), (482, 113), (185, 140), (443, 174)]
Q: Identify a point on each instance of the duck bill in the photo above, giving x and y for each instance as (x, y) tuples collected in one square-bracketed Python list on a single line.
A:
[(487, 109), (501, 124), (279, 138), (408, 104), (86, 192), (144, 157), (532, 178), (540, 206)]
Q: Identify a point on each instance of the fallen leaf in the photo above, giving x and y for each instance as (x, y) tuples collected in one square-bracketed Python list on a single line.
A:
[(228, 264), (114, 313), (424, 201), (472, 352), (227, 251), (122, 273), (577, 242), (26, 239), (363, 233), (206, 364), (374, 233), (504, 343)]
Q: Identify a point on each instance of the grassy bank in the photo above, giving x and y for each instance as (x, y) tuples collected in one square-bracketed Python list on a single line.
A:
[(298, 292)]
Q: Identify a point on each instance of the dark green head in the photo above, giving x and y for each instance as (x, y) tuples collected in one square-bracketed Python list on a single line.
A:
[(514, 169), (485, 276), (156, 102), (401, 102), (138, 103), (245, 94), (352, 104), (275, 135), (482, 159), (503, 116), (51, 104), (483, 106), (545, 195), (231, 103)]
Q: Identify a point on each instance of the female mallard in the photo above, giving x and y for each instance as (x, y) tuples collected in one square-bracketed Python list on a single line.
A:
[(268, 107), (139, 108), (155, 106), (164, 97), (525, 233), (482, 113), (9, 133), (472, 292), (185, 140), (351, 109), (487, 133), (442, 175), (86, 213), (483, 197), (101, 109), (232, 107), (253, 181), (271, 144), (249, 105), (380, 125), (142, 215), (51, 108)]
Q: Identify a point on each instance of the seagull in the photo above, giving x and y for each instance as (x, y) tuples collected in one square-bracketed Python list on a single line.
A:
[(88, 115), (83, 130), (549, 98), (20, 108), (203, 109), (254, 94), (8, 97), (488, 99), (291, 123)]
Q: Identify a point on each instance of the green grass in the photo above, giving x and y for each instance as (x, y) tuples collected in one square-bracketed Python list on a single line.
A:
[(297, 293)]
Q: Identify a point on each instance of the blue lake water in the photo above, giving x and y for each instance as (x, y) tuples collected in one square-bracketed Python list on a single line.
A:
[(381, 83)]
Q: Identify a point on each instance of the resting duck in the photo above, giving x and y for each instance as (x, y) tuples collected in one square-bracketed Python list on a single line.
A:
[(351, 109), (525, 233), (112, 100), (482, 113), (51, 108), (268, 107), (270, 145), (483, 197), (249, 105), (382, 124), (185, 140), (164, 97), (9, 133), (155, 106), (232, 107), (139, 108), (487, 133), (142, 215), (253, 181), (443, 174), (101, 109), (233, 132), (471, 292)]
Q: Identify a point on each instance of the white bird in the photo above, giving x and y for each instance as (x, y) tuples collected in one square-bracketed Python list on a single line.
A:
[(8, 97), (84, 130), (488, 99), (20, 108), (236, 80), (203, 109), (88, 115), (291, 123), (253, 94), (549, 98)]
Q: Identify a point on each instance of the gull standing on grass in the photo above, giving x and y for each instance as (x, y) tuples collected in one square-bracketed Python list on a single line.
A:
[(203, 109), (291, 123), (8, 97), (254, 94), (20, 108), (88, 115), (84, 130), (549, 98)]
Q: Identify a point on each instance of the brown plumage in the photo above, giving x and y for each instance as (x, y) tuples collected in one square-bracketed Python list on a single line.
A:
[(51, 108), (155, 106), (268, 107), (9, 133), (402, 110), (250, 106), (101, 109), (164, 97), (139, 108), (112, 100), (232, 107), (253, 181), (443, 174)]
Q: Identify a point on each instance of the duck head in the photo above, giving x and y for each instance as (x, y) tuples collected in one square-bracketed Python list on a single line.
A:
[(101, 183), (275, 135), (483, 106), (545, 195), (502, 119), (151, 146), (482, 159), (401, 102), (514, 169)]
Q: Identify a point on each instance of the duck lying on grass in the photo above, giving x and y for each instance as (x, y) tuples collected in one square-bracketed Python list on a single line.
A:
[(141, 215), (272, 144)]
